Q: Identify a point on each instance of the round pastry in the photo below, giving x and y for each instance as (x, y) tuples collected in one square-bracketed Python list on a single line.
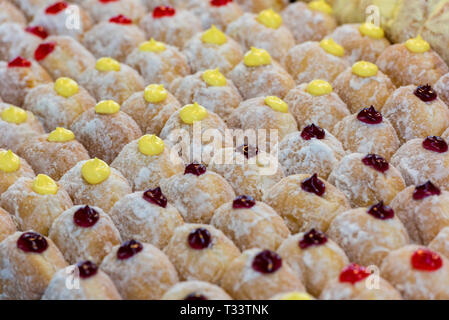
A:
[(84, 233), (412, 62), (258, 75), (105, 130), (200, 252), (264, 31), (442, 88), (315, 259), (16, 41), (30, 7), (7, 225), (195, 290), (10, 13), (316, 60), (215, 12), (441, 242), (63, 56), (182, 191), (93, 284), (424, 210), (158, 62), (56, 20), (58, 104), (434, 29), (93, 183), (420, 160), (259, 5), (259, 274), (103, 10), (309, 22), (210, 89), (417, 273), (213, 49), (53, 154), (12, 168), (146, 216), (357, 283), (170, 25), (111, 80), (367, 132), (28, 261), (115, 38), (17, 126), (18, 77), (361, 41), (305, 202), (35, 203), (416, 112), (313, 150), (140, 271), (250, 224), (145, 161), (363, 85), (366, 179), (316, 103), (248, 169)]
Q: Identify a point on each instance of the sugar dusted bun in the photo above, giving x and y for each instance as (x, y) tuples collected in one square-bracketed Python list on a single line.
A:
[(15, 41), (7, 178), (10, 13), (101, 11), (195, 290), (7, 225)]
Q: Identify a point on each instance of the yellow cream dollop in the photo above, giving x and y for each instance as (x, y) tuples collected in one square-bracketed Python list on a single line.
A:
[(276, 104), (9, 161), (95, 171), (44, 185), (269, 18), (319, 87), (214, 36), (107, 64), (152, 46), (14, 115), (417, 45), (107, 107), (256, 57), (214, 78), (66, 87), (330, 46), (151, 145), (364, 69), (371, 30), (61, 135), (297, 296), (320, 5), (155, 93), (192, 113)]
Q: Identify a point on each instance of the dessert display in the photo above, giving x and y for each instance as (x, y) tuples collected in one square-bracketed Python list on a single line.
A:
[(215, 12), (15, 40), (103, 10), (12, 168), (7, 225), (195, 290)]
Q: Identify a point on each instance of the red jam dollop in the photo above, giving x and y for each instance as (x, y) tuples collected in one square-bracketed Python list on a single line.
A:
[(370, 116), (267, 261), (156, 197), (426, 190), (243, 202), (19, 62), (121, 19), (199, 239), (196, 296), (314, 185), (163, 11), (248, 151), (128, 249), (38, 31), (426, 260), (86, 217), (312, 238), (426, 93), (436, 144), (32, 242), (43, 50), (381, 211), (312, 131), (196, 169), (354, 273), (56, 7), (219, 3), (376, 162), (87, 269)]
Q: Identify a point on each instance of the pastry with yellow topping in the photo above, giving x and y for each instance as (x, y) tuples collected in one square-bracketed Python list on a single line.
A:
[(259, 5), (213, 49), (111, 80), (412, 62), (101, 10), (265, 31), (316, 103), (316, 60), (54, 153), (10, 13), (309, 22), (363, 84), (105, 130), (35, 202), (195, 290), (16, 41), (58, 104), (12, 168), (258, 75), (7, 225), (92, 182)]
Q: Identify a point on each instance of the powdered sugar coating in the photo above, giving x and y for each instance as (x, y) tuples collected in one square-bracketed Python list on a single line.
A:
[(30, 7), (442, 87), (8, 178), (434, 29), (181, 290), (102, 11), (15, 41), (441, 242), (10, 13), (220, 16), (7, 225)]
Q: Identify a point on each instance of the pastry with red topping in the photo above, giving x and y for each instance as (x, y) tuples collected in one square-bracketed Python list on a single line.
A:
[(170, 25), (306, 201), (94, 284), (84, 233), (259, 5), (197, 193), (367, 132), (12, 168), (28, 261), (10, 13), (259, 274), (441, 242), (140, 271), (357, 283), (195, 290), (215, 12), (442, 88), (7, 225), (15, 40), (314, 257), (416, 112), (103, 10), (417, 273), (115, 38), (250, 224), (200, 252)]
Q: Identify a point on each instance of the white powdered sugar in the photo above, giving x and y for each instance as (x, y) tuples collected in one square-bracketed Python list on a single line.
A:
[(15, 41), (102, 11)]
